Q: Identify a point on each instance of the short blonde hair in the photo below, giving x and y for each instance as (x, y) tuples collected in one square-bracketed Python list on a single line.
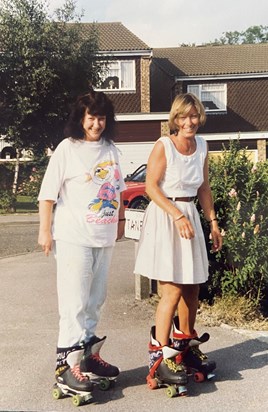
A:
[(181, 105)]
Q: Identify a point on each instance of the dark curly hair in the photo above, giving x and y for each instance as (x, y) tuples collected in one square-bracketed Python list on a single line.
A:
[(95, 103)]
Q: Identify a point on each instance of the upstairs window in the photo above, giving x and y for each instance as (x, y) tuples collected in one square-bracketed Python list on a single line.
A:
[(212, 95), (118, 76)]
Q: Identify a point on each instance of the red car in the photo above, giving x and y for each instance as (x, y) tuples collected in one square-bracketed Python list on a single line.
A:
[(134, 196)]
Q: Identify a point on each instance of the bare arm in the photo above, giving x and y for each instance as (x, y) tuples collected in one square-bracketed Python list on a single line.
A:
[(45, 215), (206, 201), (155, 171), (121, 219)]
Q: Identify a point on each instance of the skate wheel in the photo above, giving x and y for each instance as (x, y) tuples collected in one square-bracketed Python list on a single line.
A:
[(171, 391), (77, 400), (151, 382), (199, 377), (57, 393), (104, 384)]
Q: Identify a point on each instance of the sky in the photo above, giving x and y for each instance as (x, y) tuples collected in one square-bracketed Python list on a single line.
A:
[(170, 23)]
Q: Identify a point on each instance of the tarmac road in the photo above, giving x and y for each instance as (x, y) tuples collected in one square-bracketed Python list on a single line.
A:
[(18, 234), (28, 335)]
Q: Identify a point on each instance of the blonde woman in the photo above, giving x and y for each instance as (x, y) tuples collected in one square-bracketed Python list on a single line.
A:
[(172, 247)]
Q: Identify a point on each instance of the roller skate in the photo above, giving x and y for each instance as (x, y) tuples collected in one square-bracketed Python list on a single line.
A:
[(196, 362), (69, 379), (163, 369), (94, 367)]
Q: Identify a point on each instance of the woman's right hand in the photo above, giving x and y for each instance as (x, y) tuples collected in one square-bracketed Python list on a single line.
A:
[(185, 228), (45, 240)]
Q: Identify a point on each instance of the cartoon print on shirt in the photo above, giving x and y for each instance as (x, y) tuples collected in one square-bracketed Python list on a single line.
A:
[(105, 174)]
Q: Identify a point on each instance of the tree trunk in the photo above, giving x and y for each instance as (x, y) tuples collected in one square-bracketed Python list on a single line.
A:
[(15, 180), (16, 173)]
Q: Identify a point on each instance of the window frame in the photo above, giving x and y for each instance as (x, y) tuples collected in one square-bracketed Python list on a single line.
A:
[(223, 88), (107, 73)]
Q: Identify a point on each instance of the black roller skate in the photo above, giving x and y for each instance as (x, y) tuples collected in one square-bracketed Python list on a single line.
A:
[(69, 379), (93, 366), (195, 361), (163, 369)]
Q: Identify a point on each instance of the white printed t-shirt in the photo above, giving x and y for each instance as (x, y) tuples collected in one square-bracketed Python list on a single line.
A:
[(85, 180)]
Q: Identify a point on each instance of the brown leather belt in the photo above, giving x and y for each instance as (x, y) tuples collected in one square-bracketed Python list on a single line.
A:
[(182, 199)]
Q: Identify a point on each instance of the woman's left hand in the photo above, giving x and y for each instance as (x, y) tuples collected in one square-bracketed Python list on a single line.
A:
[(216, 239)]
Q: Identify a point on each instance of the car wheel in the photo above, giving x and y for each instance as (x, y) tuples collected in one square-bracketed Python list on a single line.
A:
[(140, 203)]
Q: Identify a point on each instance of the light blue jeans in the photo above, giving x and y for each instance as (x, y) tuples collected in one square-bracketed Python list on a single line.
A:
[(82, 287)]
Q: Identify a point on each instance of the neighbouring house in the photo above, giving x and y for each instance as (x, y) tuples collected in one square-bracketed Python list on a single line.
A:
[(232, 82)]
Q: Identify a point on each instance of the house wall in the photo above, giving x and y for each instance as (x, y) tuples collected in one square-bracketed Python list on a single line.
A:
[(128, 102), (161, 85), (246, 107), (138, 131), (246, 102), (145, 85), (135, 140)]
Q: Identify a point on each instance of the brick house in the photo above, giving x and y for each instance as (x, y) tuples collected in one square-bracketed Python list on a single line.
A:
[(232, 82)]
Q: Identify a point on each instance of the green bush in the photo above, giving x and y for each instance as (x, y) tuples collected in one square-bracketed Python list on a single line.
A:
[(31, 183), (7, 201), (240, 191)]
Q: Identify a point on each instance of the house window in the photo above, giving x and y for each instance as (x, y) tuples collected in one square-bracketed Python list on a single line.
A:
[(118, 75), (212, 95)]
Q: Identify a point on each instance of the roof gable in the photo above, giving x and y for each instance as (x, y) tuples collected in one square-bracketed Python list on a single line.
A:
[(213, 60), (115, 37)]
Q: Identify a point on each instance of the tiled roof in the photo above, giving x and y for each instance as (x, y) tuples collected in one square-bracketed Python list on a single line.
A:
[(116, 37), (213, 60)]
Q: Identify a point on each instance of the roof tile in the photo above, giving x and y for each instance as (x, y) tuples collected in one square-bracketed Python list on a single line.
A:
[(213, 60)]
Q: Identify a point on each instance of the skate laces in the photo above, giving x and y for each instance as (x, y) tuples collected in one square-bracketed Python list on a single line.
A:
[(77, 373), (96, 357), (196, 351), (173, 366)]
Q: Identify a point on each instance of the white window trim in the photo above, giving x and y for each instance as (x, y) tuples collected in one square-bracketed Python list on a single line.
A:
[(221, 110), (121, 89)]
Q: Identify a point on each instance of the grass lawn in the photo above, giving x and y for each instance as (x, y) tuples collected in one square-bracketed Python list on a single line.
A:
[(25, 205)]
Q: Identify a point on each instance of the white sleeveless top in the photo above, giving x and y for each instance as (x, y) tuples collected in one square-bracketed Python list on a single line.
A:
[(184, 174)]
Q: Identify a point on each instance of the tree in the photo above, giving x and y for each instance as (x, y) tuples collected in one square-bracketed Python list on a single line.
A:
[(254, 34), (45, 62)]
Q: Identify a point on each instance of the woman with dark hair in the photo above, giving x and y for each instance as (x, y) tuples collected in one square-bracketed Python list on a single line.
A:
[(98, 104), (172, 247), (84, 180)]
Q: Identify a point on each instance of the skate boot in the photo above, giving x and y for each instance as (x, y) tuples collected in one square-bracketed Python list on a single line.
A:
[(93, 366), (163, 369), (194, 360), (69, 379)]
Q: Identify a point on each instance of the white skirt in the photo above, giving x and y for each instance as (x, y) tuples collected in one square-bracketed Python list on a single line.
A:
[(163, 255)]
